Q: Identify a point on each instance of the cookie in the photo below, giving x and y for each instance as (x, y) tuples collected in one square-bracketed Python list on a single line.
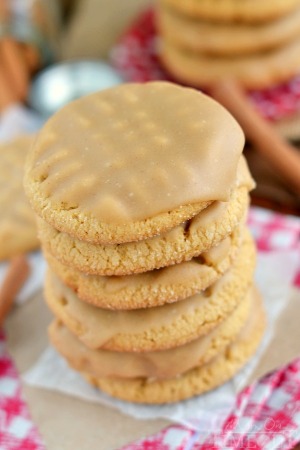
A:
[(226, 39), (257, 71), (153, 288), (180, 244), (194, 382), (159, 365), (132, 162), (18, 232), (156, 328), (234, 10)]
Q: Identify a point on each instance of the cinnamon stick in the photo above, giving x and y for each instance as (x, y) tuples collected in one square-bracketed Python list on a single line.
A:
[(32, 57), (14, 62), (7, 92), (283, 157), (16, 275)]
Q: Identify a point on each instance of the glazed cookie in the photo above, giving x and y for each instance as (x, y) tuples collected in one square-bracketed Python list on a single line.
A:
[(160, 365), (256, 71), (228, 39), (156, 287), (155, 328), (194, 382), (132, 162), (180, 244), (234, 10), (18, 232)]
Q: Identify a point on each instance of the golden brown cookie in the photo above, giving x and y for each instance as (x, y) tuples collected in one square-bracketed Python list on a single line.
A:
[(160, 365), (182, 243), (155, 328), (156, 287), (234, 10), (256, 71), (226, 39), (18, 232), (133, 161), (194, 382)]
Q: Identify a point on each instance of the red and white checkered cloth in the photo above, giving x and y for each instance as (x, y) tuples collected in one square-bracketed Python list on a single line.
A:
[(267, 414), (17, 432), (274, 231), (136, 58), (266, 417)]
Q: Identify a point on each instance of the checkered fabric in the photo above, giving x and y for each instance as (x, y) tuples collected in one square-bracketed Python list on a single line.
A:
[(17, 432), (136, 58), (274, 231), (266, 417)]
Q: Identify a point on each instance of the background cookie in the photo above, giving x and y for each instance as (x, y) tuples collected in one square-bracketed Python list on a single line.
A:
[(156, 287), (156, 328), (193, 382), (226, 39), (18, 231), (143, 168), (257, 71), (229, 10)]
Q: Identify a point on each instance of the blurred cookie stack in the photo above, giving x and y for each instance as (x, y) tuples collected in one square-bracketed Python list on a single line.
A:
[(18, 231), (142, 194), (257, 43)]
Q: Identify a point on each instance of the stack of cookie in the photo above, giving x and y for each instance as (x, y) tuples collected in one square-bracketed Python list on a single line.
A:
[(142, 193), (257, 43)]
